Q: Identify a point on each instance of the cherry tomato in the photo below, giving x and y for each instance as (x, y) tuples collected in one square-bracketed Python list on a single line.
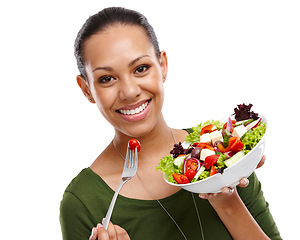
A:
[(210, 160), (190, 174), (191, 163), (208, 129), (133, 143), (181, 179)]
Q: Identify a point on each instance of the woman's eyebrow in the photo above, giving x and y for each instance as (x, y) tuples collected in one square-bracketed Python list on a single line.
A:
[(137, 59), (110, 69), (103, 68)]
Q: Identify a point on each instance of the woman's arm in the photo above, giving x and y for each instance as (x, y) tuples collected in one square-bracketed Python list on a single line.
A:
[(233, 212), (235, 216)]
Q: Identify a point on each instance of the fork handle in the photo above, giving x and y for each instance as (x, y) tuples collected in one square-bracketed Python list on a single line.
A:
[(111, 206)]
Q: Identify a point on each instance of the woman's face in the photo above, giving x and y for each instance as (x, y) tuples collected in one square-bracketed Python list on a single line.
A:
[(125, 78)]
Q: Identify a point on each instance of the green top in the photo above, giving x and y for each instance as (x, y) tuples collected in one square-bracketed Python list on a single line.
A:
[(87, 199)]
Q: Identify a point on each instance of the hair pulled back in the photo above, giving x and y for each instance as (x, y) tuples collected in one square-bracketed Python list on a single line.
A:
[(107, 18)]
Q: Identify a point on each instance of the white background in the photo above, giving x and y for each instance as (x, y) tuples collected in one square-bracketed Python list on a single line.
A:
[(221, 53)]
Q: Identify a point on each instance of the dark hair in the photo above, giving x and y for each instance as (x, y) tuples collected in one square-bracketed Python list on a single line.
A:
[(106, 18)]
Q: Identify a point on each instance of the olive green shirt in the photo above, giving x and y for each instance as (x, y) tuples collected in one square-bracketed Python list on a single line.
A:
[(87, 199)]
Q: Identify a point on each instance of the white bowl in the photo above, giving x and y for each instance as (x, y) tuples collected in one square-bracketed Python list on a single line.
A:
[(231, 175)]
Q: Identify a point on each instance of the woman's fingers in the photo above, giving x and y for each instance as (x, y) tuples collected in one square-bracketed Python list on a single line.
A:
[(121, 233), (244, 182), (262, 162), (204, 195), (94, 234), (226, 191), (113, 232)]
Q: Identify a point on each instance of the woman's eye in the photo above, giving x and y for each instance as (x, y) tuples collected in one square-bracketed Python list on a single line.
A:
[(105, 79), (141, 69)]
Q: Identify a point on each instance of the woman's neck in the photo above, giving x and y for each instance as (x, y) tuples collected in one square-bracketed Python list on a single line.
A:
[(159, 140)]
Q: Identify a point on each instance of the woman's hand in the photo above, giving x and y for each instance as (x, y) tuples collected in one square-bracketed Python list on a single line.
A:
[(113, 232), (233, 212), (226, 194)]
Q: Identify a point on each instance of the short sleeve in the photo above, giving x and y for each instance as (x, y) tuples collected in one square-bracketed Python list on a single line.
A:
[(254, 200), (75, 220)]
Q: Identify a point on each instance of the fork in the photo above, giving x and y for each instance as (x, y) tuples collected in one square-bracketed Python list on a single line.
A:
[(129, 170)]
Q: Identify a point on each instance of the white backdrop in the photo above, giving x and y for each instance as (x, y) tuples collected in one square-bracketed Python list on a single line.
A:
[(221, 53)]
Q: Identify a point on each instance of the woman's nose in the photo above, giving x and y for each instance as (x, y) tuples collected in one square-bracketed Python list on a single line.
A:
[(129, 88)]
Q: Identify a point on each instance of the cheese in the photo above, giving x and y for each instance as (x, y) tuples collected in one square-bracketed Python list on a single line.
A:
[(205, 138), (206, 152), (216, 136), (239, 131)]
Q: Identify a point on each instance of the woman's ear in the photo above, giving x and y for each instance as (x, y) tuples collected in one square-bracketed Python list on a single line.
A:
[(82, 83), (164, 64)]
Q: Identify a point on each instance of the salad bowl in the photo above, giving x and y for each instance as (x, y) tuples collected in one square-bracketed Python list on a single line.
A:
[(231, 175)]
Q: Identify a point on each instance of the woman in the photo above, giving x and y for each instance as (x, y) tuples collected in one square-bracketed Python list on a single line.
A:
[(123, 72)]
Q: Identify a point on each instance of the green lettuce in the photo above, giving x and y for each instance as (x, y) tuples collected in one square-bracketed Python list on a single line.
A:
[(166, 165), (204, 174), (252, 137), (195, 135), (221, 162)]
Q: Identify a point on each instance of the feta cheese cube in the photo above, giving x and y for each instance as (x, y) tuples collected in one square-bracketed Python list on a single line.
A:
[(239, 131), (205, 138), (216, 136), (206, 152)]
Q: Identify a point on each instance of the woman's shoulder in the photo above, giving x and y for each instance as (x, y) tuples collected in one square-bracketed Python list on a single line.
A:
[(84, 184), (82, 178), (86, 190)]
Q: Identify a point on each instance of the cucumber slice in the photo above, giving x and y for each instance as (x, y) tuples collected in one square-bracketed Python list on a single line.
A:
[(236, 157), (179, 161), (198, 174)]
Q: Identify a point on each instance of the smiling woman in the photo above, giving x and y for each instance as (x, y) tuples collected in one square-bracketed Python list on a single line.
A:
[(123, 72)]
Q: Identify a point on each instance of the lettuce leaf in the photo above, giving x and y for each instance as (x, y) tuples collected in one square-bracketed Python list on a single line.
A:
[(252, 137), (221, 162), (204, 174), (195, 135), (166, 165)]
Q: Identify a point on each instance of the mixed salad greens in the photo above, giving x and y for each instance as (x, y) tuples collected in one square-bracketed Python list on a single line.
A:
[(213, 146)]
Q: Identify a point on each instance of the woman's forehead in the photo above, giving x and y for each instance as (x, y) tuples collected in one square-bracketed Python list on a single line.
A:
[(117, 41), (115, 33)]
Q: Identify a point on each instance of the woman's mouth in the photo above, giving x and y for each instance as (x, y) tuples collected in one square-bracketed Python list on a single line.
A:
[(135, 112)]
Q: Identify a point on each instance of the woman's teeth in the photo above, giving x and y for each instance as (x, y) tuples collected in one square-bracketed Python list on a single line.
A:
[(135, 111)]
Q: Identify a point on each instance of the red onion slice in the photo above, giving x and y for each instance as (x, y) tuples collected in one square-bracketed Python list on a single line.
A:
[(229, 124), (253, 124)]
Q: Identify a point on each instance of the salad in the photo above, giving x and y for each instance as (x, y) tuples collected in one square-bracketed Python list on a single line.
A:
[(213, 146)]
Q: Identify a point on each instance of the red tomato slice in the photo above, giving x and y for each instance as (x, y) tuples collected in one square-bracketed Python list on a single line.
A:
[(213, 170), (134, 143), (208, 129), (191, 163), (190, 174), (210, 160), (181, 179)]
